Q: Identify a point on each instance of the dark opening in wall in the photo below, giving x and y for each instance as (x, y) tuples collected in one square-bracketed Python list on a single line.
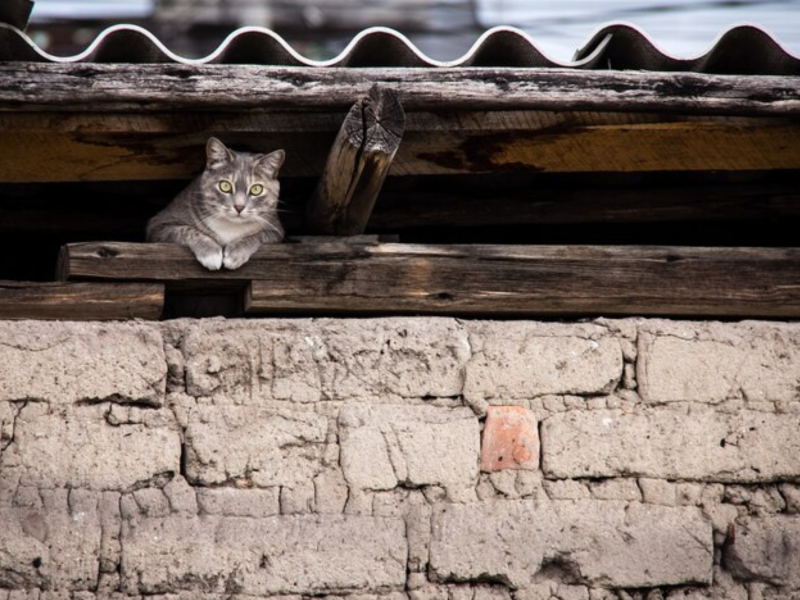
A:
[(760, 209)]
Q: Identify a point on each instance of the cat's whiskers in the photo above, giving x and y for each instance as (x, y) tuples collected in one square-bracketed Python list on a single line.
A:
[(211, 221), (267, 223)]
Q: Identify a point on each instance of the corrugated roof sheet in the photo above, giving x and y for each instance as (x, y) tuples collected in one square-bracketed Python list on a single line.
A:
[(741, 50)]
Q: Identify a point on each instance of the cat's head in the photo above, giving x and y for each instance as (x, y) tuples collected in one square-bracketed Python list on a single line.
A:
[(241, 185)]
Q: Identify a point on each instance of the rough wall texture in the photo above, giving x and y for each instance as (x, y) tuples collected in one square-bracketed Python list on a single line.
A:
[(400, 459)]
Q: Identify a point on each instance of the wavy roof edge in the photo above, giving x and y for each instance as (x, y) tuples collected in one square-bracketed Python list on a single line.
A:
[(742, 49)]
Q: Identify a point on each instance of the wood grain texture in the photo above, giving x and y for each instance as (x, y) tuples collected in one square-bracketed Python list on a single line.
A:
[(341, 278), (142, 87), (357, 165), (148, 146), (686, 146), (543, 281), (80, 301)]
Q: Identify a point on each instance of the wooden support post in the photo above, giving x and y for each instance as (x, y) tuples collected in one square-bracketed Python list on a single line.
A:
[(16, 12), (357, 165), (342, 278), (80, 301)]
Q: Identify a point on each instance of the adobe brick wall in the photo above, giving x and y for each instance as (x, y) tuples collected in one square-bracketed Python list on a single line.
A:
[(395, 459)]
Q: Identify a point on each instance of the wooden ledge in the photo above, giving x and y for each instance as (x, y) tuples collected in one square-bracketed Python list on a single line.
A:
[(488, 280), (80, 301)]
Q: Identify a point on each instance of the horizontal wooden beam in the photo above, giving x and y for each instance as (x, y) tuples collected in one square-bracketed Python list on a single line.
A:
[(341, 278), (80, 301), (142, 146), (628, 147), (141, 87)]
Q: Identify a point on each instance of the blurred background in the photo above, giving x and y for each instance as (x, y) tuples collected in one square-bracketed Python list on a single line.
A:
[(442, 29)]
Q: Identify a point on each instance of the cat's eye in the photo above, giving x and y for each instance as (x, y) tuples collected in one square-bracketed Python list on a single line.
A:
[(226, 186), (256, 189)]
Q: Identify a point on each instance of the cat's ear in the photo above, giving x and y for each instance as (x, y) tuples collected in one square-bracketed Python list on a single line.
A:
[(268, 164), (217, 154)]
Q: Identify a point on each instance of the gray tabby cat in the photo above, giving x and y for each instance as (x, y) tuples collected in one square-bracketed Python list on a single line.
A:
[(228, 211)]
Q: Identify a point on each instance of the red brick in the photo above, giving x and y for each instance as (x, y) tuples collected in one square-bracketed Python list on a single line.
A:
[(510, 439)]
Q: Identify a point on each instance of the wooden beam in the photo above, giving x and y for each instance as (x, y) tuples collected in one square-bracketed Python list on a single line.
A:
[(475, 279), (175, 87), (147, 146), (357, 165), (138, 145), (646, 147), (543, 281), (80, 301)]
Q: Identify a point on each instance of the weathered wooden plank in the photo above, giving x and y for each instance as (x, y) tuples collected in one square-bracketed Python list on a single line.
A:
[(121, 87), (686, 146), (474, 279), (140, 146), (80, 301), (357, 165), (107, 147), (544, 281)]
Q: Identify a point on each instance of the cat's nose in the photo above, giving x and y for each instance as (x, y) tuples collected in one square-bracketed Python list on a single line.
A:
[(238, 208)]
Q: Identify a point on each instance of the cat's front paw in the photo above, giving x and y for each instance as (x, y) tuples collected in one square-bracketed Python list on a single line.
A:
[(235, 256), (210, 258)]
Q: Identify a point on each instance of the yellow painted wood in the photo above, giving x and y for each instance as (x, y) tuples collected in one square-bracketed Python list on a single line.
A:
[(680, 146), (50, 147)]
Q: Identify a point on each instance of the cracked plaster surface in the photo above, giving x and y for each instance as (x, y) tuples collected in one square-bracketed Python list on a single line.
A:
[(373, 418)]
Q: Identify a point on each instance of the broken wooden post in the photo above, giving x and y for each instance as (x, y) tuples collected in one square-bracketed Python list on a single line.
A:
[(357, 165)]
